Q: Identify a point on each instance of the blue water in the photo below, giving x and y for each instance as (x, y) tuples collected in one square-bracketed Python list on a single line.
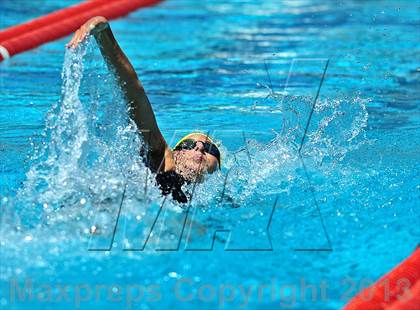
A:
[(248, 73)]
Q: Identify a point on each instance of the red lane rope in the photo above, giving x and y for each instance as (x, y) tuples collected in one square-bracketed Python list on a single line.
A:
[(48, 19), (397, 290), (62, 23)]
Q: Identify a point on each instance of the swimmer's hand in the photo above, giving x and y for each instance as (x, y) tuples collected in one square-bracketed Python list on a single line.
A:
[(85, 30)]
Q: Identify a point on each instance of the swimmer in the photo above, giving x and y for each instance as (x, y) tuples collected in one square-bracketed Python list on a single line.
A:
[(192, 157)]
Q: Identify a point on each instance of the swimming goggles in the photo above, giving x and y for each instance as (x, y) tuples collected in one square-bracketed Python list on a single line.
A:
[(189, 144)]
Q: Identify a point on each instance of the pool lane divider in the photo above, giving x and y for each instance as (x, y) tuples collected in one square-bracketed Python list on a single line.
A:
[(46, 20), (53, 26), (397, 290)]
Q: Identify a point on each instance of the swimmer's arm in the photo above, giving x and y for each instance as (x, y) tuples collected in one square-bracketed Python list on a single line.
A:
[(140, 108)]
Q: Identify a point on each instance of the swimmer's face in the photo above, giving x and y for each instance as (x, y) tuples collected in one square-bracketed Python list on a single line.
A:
[(194, 163)]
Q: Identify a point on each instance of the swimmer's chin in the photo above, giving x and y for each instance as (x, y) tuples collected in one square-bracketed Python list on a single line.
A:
[(192, 176)]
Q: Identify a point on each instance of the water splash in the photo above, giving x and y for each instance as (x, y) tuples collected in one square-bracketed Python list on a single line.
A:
[(337, 128), (90, 157)]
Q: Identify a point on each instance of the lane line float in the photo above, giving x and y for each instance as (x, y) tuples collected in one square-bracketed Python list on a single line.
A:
[(397, 290), (48, 19), (61, 23), (4, 53)]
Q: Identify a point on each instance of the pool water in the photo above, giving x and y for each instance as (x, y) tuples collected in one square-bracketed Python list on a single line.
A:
[(314, 216)]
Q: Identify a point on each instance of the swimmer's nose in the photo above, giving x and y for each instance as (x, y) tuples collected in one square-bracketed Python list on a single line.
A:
[(199, 146)]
